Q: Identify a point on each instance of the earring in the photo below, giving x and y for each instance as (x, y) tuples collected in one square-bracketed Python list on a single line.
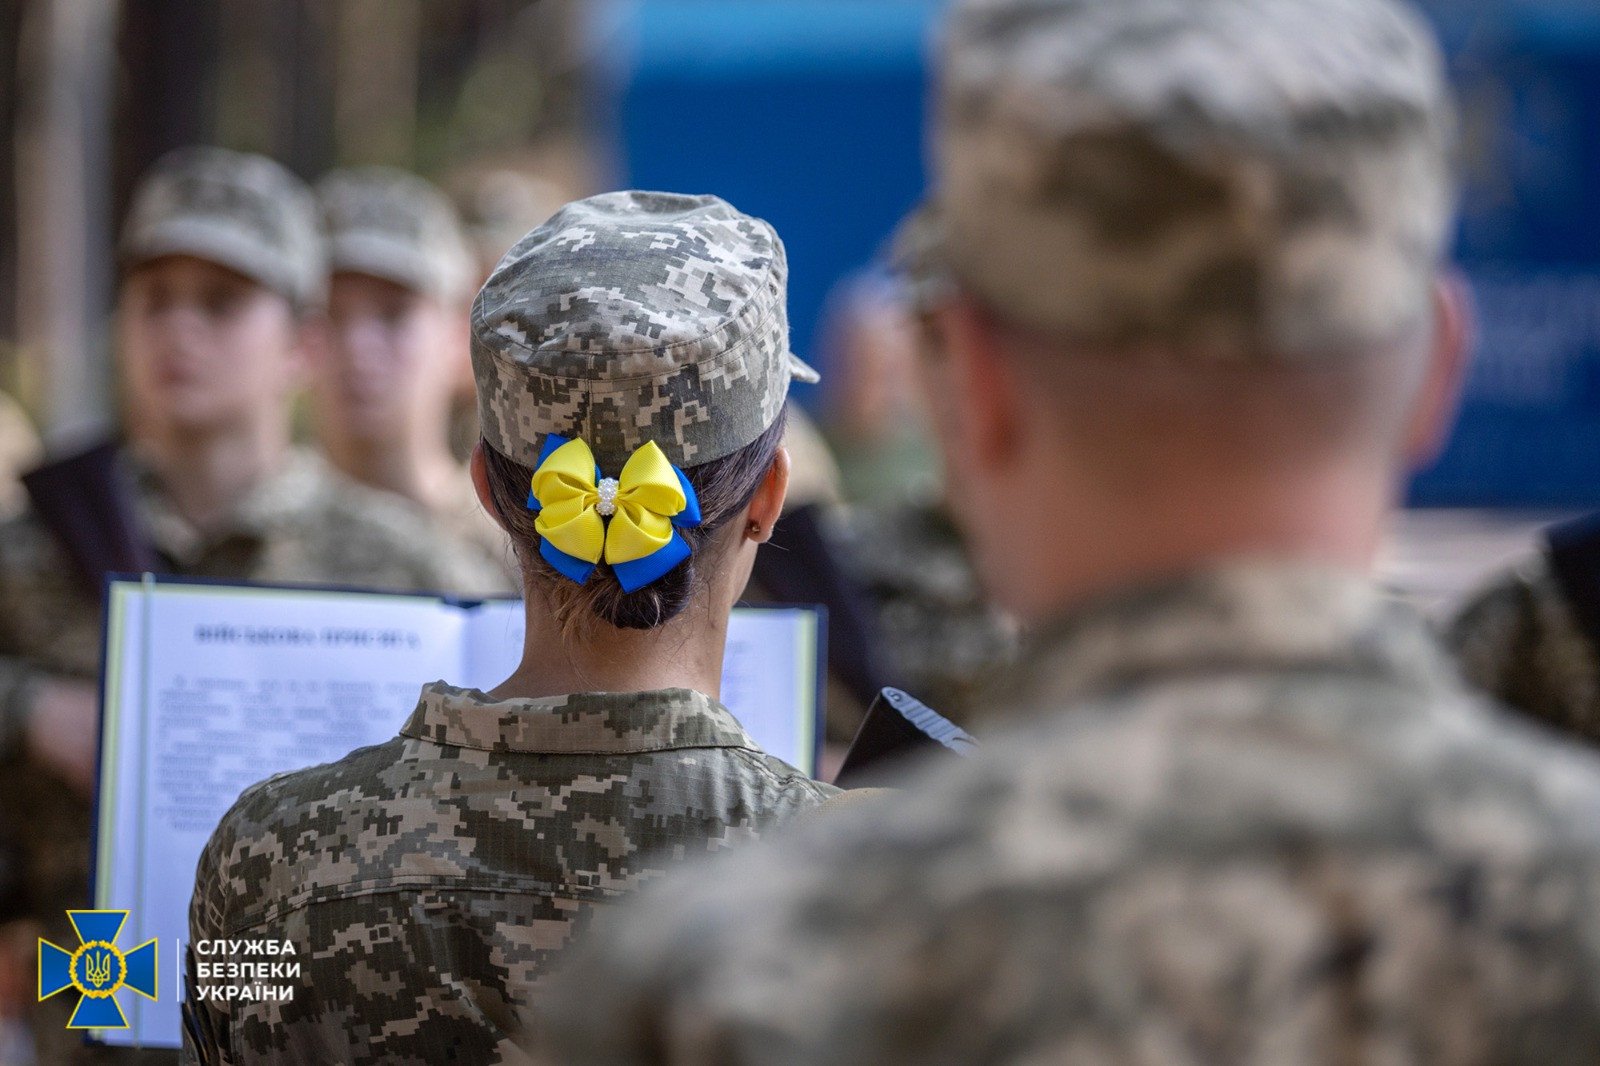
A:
[(754, 528)]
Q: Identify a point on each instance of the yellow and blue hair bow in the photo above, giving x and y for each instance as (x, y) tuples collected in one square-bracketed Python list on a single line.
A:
[(646, 505)]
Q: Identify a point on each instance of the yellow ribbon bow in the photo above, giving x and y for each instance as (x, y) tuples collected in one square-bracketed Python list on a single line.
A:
[(645, 506)]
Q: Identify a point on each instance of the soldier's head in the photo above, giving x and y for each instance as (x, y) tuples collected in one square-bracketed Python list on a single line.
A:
[(221, 263), (632, 362), (1181, 270), (400, 278)]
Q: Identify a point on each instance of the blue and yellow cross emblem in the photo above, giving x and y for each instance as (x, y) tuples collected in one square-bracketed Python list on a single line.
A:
[(97, 970)]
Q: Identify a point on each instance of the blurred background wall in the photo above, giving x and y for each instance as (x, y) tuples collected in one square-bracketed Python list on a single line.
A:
[(808, 112)]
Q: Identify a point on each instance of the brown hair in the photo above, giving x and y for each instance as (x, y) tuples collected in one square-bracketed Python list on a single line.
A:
[(725, 486)]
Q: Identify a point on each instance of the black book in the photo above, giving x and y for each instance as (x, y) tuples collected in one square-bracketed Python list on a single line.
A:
[(898, 726)]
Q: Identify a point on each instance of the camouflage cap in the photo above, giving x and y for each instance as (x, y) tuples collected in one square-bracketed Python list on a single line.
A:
[(636, 316), (1232, 179), (394, 225), (240, 210)]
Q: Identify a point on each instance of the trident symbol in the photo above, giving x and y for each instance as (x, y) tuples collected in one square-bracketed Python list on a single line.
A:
[(97, 967)]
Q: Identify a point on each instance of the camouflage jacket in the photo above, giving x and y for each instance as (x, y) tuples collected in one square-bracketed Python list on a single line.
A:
[(307, 524), (1519, 640), (1249, 818), (429, 883)]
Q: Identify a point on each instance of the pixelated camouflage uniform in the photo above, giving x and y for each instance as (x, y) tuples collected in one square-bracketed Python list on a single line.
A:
[(1248, 817), (1519, 639), (430, 882), (434, 880)]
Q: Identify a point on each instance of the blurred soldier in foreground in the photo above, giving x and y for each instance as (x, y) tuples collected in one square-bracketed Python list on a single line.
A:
[(1531, 637), (222, 264), (400, 279), (430, 883), (1191, 333)]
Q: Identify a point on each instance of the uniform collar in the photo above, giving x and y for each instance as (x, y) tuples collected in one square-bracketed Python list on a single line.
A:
[(605, 723), (282, 498), (1253, 616)]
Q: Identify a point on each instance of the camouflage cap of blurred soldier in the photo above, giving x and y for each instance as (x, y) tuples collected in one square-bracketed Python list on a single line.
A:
[(241, 211), (387, 223), (1241, 181)]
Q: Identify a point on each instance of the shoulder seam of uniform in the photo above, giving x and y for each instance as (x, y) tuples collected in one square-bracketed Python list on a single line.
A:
[(757, 757)]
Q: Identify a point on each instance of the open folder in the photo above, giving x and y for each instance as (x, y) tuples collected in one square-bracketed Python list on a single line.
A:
[(208, 688)]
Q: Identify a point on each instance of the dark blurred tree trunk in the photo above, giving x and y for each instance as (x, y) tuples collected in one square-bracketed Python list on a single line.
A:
[(167, 91), (275, 75), (305, 31), (63, 158)]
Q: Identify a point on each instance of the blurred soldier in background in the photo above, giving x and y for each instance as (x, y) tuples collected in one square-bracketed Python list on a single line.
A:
[(222, 267), (1532, 635), (1191, 331), (400, 280)]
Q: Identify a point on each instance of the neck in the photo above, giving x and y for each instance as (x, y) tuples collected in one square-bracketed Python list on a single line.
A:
[(685, 653), (207, 473), (415, 466), (1329, 520)]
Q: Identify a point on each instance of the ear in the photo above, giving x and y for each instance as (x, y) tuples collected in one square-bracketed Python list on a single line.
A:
[(985, 418), (767, 504), (480, 482), (1434, 412)]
